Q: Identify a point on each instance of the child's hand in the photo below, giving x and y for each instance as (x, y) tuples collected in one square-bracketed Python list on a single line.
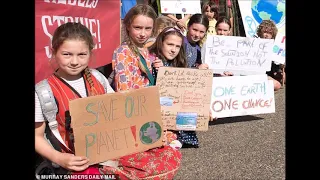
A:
[(72, 162), (157, 63), (168, 137), (227, 73), (181, 25), (203, 66)]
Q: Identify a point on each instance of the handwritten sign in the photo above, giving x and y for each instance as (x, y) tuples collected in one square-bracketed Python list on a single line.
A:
[(180, 6), (229, 53), (185, 97), (114, 125), (242, 95), (279, 49)]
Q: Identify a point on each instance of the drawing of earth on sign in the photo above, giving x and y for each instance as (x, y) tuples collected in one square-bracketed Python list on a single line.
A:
[(269, 9), (150, 132)]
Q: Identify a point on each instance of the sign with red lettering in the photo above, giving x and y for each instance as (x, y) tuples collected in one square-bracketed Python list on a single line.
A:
[(242, 95), (101, 17)]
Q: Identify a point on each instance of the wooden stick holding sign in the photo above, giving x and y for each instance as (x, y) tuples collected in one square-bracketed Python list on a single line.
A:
[(114, 125), (185, 98)]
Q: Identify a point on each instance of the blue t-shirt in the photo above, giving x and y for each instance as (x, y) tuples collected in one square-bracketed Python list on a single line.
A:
[(126, 6)]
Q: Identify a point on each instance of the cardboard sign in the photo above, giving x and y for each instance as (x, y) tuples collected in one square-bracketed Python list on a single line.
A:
[(180, 6), (185, 98), (104, 27), (279, 49), (114, 125), (242, 95), (233, 53)]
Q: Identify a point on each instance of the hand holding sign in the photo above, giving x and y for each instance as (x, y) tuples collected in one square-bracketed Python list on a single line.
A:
[(113, 125)]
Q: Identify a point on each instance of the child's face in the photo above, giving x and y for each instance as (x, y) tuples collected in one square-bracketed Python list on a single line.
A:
[(171, 46), (266, 35), (196, 32), (140, 30), (72, 57), (209, 13), (223, 29)]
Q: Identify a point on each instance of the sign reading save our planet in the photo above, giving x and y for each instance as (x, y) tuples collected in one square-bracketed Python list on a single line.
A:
[(117, 124)]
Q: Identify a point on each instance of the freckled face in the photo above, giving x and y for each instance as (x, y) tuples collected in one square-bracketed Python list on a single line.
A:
[(171, 46), (140, 29)]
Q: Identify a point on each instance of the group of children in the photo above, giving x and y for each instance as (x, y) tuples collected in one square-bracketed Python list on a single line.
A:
[(152, 42)]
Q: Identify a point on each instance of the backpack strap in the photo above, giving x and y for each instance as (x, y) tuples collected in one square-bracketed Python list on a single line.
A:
[(101, 78), (49, 108)]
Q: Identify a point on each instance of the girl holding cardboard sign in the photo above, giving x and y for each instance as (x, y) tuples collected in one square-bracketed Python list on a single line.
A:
[(72, 46)]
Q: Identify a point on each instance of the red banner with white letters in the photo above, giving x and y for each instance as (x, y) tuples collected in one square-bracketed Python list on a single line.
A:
[(102, 17)]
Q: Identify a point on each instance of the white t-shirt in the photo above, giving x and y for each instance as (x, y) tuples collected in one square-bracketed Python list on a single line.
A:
[(76, 84)]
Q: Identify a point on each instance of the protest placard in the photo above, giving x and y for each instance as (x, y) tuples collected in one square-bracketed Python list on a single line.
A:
[(279, 49), (242, 95), (117, 124), (233, 53), (185, 97), (180, 6)]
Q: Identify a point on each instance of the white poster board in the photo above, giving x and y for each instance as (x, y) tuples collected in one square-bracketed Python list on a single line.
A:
[(234, 53), (254, 11), (242, 95), (279, 49), (180, 6)]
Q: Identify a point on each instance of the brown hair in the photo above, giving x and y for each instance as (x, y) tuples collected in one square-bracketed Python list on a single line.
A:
[(213, 8), (225, 20), (199, 19), (267, 26), (74, 31), (139, 9), (161, 23), (156, 48)]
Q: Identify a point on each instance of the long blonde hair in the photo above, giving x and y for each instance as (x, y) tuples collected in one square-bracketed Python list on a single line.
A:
[(139, 9)]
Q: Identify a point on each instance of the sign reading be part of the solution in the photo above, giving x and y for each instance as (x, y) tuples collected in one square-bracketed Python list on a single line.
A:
[(114, 125), (242, 95), (185, 97), (229, 53)]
